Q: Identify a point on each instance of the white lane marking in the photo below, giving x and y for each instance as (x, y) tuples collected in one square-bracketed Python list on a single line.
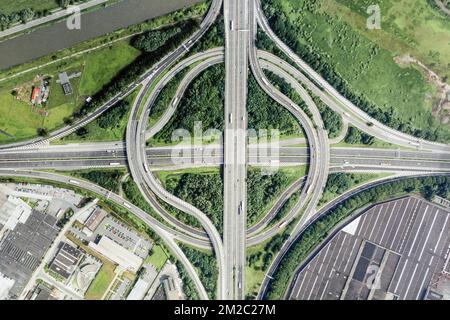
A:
[(400, 223), (375, 223), (301, 285), (417, 233), (428, 235), (371, 216), (421, 285), (440, 235), (345, 253), (416, 207), (311, 291), (387, 224), (410, 281), (401, 275), (324, 290), (324, 258), (351, 253)]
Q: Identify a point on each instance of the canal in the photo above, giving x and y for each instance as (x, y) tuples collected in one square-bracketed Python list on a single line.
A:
[(52, 38)]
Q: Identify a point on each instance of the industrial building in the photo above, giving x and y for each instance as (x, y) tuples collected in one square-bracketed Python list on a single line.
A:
[(66, 260), (117, 254), (65, 83), (397, 250), (22, 249)]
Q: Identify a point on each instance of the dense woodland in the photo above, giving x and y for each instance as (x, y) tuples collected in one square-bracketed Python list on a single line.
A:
[(203, 101), (206, 263)]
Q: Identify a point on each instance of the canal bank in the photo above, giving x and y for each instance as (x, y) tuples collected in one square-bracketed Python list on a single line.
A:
[(46, 40)]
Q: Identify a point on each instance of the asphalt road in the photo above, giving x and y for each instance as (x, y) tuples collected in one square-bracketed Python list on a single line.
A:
[(235, 142), (135, 143), (166, 233), (336, 101)]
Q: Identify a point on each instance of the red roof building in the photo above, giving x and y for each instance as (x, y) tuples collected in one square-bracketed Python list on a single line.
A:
[(35, 94)]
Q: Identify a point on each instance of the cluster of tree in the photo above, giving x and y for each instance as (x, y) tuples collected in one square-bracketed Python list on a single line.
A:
[(66, 3), (188, 285), (263, 42), (27, 14), (23, 16), (289, 34), (132, 72), (286, 207), (340, 182), (266, 114), (262, 189), (265, 256), (204, 191), (314, 234), (356, 136), (206, 264), (331, 120), (65, 218), (165, 96), (107, 179), (42, 132), (132, 193), (154, 39), (203, 101), (111, 117), (213, 38)]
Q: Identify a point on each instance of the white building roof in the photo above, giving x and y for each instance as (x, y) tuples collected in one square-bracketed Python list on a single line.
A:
[(118, 254), (5, 285), (12, 211), (139, 290)]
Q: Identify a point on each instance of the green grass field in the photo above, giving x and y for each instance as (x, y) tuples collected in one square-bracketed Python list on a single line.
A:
[(354, 180), (24, 125), (101, 66), (101, 282), (415, 28), (98, 67), (157, 258), (114, 132), (335, 31)]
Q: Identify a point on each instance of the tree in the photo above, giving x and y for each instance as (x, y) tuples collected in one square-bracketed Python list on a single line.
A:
[(42, 132), (26, 14), (82, 131)]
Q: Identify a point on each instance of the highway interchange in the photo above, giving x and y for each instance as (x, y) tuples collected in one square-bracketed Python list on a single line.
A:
[(411, 156)]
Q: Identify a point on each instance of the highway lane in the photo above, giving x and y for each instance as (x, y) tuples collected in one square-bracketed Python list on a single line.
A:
[(235, 142), (337, 102), (188, 78), (164, 163), (116, 150), (166, 234), (136, 155), (152, 73), (324, 150), (170, 158), (315, 133)]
